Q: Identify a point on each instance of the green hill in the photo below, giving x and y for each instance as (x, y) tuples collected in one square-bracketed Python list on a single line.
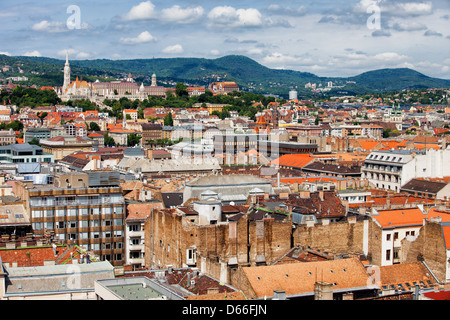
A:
[(247, 73)]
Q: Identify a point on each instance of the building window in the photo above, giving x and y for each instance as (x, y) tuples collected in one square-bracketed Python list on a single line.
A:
[(135, 241), (134, 227), (388, 237), (388, 255)]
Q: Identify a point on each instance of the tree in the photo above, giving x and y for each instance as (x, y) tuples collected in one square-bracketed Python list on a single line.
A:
[(16, 125), (181, 91), (94, 126), (133, 139), (168, 120), (34, 141), (109, 141), (42, 116)]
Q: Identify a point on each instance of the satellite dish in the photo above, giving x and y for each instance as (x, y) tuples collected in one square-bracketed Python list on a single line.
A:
[(232, 203)]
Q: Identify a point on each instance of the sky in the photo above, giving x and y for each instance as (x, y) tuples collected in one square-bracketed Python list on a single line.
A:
[(333, 38)]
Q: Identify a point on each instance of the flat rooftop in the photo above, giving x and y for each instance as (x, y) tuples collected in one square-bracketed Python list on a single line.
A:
[(135, 292)]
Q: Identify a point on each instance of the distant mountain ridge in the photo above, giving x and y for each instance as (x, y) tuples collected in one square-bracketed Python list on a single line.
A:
[(246, 72)]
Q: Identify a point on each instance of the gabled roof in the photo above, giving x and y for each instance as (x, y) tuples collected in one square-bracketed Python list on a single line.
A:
[(420, 185), (404, 276), (397, 218), (294, 160), (299, 278)]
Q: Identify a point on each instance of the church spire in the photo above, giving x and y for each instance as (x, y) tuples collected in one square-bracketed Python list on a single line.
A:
[(66, 72)]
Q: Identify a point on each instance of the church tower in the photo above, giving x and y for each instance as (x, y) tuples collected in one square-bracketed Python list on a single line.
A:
[(66, 73), (154, 80)]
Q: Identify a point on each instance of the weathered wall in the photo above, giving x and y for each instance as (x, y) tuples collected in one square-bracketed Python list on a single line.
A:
[(429, 247), (168, 236), (335, 237)]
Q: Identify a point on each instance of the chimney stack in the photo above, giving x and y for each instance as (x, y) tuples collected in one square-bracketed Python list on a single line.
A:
[(279, 295), (323, 291)]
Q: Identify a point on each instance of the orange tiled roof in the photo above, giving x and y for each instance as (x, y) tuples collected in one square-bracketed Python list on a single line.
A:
[(298, 278), (427, 146), (404, 272), (433, 213), (368, 145), (446, 232), (294, 160), (391, 144), (399, 217)]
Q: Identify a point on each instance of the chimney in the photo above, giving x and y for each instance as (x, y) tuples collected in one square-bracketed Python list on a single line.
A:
[(323, 291), (321, 195), (279, 295), (214, 290)]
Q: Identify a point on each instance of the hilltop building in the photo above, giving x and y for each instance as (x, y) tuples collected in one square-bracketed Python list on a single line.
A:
[(99, 91)]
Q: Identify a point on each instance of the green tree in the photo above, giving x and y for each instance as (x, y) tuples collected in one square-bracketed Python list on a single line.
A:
[(42, 116), (16, 125), (35, 141), (133, 139), (109, 141), (168, 120), (93, 126), (181, 91)]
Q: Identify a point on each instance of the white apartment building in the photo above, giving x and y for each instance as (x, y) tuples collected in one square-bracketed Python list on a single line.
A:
[(396, 225), (391, 169)]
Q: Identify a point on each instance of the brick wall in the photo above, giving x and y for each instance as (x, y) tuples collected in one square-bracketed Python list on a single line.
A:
[(215, 245), (429, 247), (338, 237)]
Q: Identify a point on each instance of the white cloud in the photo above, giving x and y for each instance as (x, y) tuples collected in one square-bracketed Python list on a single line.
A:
[(141, 38), (277, 9), (229, 17), (34, 53), (277, 58), (143, 11), (215, 52), (413, 8), (408, 26), (74, 54), (397, 8), (178, 48), (70, 52), (83, 55), (182, 15), (390, 56), (5, 53), (51, 27)]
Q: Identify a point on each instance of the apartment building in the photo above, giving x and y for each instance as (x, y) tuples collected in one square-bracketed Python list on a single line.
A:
[(391, 169), (85, 209), (24, 153), (395, 226)]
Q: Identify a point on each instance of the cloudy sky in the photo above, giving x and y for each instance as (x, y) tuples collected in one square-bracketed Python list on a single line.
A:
[(325, 37)]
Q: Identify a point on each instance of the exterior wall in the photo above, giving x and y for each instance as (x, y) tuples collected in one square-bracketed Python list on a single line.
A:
[(135, 242), (375, 247), (96, 223), (391, 239), (217, 248), (432, 165), (429, 247), (335, 237), (60, 152)]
